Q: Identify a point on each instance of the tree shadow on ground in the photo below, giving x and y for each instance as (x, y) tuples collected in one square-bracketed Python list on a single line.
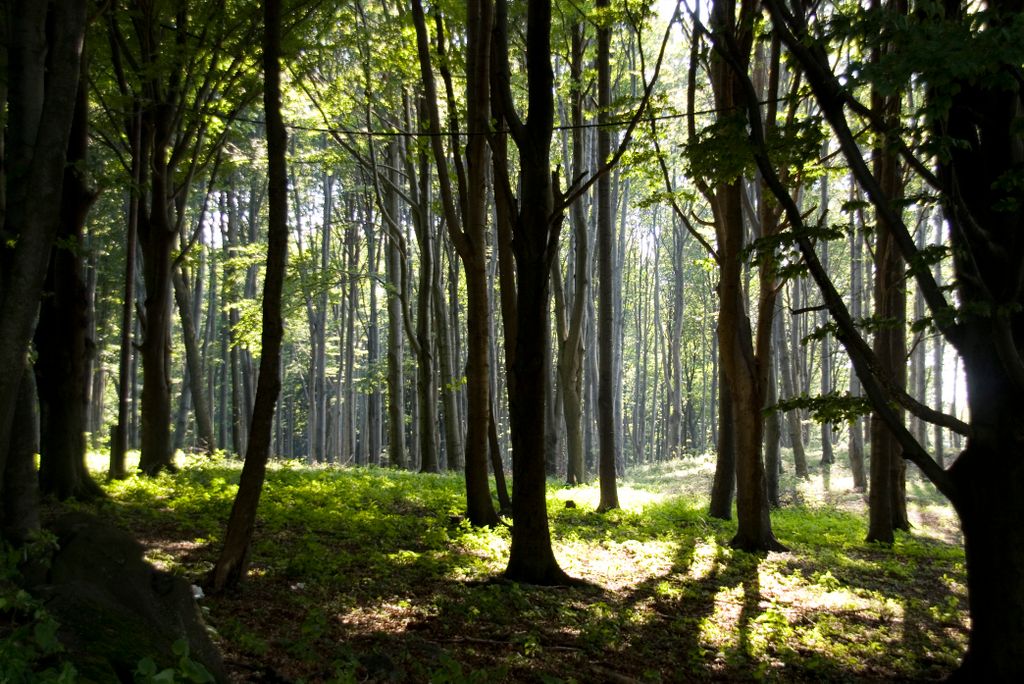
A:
[(379, 584)]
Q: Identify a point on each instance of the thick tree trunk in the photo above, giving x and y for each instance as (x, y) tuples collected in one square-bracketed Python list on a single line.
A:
[(887, 497), (40, 113), (20, 513), (61, 336), (887, 508), (744, 367), (158, 238), (531, 558)]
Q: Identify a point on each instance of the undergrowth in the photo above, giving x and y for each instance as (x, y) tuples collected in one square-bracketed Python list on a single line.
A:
[(371, 574)]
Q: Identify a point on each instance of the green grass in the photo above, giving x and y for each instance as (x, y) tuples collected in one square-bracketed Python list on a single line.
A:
[(372, 574)]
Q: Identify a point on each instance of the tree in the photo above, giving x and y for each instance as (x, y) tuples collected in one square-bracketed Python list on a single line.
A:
[(231, 564), (43, 74), (608, 427), (887, 493), (973, 128), (745, 364), (468, 233), (535, 232), (175, 65), (61, 333)]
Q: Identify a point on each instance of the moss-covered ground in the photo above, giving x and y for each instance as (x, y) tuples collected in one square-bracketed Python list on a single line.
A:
[(373, 575)]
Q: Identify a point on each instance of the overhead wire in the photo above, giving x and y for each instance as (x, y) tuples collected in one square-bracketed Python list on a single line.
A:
[(617, 123)]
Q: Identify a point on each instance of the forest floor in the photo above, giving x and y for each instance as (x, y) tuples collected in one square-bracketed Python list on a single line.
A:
[(372, 575)]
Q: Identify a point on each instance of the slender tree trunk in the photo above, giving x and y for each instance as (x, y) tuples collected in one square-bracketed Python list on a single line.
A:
[(571, 350), (119, 434), (827, 456), (887, 495), (856, 426), (786, 372), (204, 418), (724, 484), (396, 351), (937, 372), (607, 426), (373, 399), (231, 565), (426, 374), (469, 238)]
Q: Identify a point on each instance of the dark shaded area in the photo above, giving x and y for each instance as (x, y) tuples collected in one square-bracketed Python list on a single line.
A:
[(114, 608)]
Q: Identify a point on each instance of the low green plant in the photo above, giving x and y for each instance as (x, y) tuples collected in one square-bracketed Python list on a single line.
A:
[(187, 670), (30, 650)]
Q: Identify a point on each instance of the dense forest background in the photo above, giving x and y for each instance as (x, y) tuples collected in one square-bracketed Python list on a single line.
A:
[(528, 243)]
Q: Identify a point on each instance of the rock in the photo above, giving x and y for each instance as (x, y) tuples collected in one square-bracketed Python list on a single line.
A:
[(114, 608)]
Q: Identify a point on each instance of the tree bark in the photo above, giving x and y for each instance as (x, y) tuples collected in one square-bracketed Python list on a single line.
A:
[(607, 427), (724, 483), (531, 558), (744, 367), (40, 113), (231, 565), (61, 335), (468, 234), (887, 496), (204, 417)]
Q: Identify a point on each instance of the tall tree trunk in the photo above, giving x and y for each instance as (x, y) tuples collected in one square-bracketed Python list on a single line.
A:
[(396, 350), (204, 418), (937, 372), (157, 236), (373, 398), (827, 456), (468, 234), (531, 558), (231, 564), (887, 496), (607, 427), (744, 367), (572, 328), (426, 373), (772, 435), (786, 372), (61, 334), (856, 426), (40, 115), (724, 483), (119, 434)]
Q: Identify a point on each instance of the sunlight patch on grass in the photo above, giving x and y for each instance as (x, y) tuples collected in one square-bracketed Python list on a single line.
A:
[(720, 631), (706, 554), (614, 565)]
